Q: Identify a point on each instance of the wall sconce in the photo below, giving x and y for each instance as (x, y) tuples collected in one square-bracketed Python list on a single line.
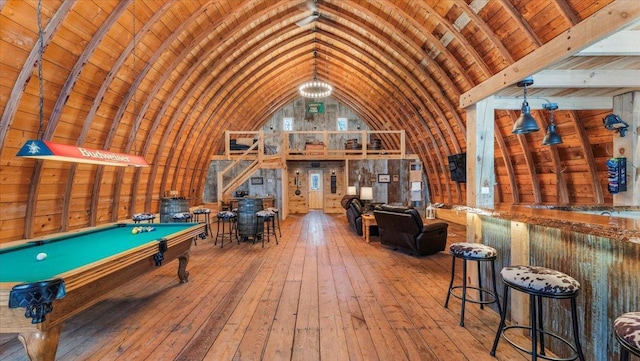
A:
[(358, 126), (297, 171), (552, 137), (615, 123), (525, 123), (333, 171)]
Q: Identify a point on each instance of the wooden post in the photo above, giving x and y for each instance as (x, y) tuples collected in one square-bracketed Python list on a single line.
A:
[(480, 172), (627, 106)]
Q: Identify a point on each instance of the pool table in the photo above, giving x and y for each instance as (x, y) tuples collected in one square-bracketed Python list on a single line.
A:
[(37, 296)]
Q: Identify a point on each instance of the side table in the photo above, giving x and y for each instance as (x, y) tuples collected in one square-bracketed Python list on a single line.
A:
[(368, 220)]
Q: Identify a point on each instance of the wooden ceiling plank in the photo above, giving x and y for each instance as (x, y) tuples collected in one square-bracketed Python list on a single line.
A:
[(608, 20), (587, 78), (565, 103), (623, 43)]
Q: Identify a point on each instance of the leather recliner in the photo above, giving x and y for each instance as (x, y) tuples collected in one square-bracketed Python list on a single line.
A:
[(402, 228), (354, 215)]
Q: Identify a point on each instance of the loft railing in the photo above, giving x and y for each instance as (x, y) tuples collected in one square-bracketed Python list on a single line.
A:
[(315, 145)]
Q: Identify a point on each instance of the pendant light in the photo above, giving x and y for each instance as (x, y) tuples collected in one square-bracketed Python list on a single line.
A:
[(525, 123), (552, 137), (315, 88)]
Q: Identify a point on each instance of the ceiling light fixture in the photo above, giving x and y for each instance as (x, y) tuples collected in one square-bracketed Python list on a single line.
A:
[(315, 88), (552, 137), (525, 123), (615, 123)]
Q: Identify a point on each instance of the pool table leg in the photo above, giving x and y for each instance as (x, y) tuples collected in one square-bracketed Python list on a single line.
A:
[(41, 345), (183, 274)]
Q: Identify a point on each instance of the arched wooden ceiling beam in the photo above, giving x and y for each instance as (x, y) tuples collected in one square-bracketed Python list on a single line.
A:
[(507, 163), (488, 32), (415, 88), (567, 12), (158, 84), (587, 152), (411, 47), (232, 111), (26, 73), (524, 26), (530, 164), (226, 89), (146, 104), (561, 184)]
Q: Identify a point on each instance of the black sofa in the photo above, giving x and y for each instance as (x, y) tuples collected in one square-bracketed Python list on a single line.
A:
[(402, 228)]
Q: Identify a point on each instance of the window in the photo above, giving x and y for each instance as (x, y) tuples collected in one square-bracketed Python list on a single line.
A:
[(341, 124), (287, 124), (315, 182)]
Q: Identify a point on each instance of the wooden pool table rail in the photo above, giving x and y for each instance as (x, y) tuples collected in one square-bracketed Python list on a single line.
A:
[(86, 286)]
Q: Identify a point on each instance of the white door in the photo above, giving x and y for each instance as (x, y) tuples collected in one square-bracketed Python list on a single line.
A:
[(315, 189)]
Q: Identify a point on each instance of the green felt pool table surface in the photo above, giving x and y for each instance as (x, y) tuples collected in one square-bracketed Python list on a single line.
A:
[(65, 253)]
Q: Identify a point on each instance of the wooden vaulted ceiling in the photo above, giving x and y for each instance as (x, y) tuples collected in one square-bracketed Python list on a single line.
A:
[(165, 79)]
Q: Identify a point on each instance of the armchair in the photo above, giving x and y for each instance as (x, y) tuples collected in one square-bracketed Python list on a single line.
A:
[(401, 227)]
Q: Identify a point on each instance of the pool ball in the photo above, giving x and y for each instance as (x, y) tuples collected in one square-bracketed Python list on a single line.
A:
[(41, 256)]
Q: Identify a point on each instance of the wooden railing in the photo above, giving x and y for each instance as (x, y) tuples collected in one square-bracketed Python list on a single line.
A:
[(330, 145)]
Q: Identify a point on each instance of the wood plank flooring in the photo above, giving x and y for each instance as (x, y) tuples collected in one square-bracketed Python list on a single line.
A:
[(322, 293)]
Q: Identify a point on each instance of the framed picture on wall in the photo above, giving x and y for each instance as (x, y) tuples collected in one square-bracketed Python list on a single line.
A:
[(384, 178), (257, 180)]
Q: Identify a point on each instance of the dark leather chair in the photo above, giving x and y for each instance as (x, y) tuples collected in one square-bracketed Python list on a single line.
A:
[(402, 228), (354, 215)]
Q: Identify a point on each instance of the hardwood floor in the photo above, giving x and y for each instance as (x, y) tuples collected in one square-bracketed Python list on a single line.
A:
[(321, 294)]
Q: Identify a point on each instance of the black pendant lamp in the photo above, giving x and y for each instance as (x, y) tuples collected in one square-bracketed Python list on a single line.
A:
[(552, 137), (525, 123)]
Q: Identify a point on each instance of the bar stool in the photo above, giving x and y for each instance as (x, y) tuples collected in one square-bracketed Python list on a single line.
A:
[(472, 252), (227, 218), (182, 217), (277, 218), (204, 212), (266, 218), (186, 217), (538, 283), (627, 329), (139, 217)]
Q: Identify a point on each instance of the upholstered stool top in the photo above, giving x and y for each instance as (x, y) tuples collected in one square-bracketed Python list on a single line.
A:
[(143, 216), (627, 327), (472, 250), (272, 209), (226, 214), (265, 213), (540, 279), (201, 211), (181, 215)]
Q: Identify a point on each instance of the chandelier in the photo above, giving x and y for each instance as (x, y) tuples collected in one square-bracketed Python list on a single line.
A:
[(315, 88)]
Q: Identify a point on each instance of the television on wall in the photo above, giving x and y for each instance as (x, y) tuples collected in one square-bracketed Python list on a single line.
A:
[(458, 167)]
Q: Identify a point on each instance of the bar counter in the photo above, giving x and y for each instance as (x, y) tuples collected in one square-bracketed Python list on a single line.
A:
[(566, 219), (601, 252)]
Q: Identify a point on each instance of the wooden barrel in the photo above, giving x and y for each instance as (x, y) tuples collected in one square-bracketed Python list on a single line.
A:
[(247, 208), (171, 206)]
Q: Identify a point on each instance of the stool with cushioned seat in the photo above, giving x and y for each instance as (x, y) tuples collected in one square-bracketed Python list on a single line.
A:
[(267, 219), (204, 212), (226, 219), (538, 283), (472, 252), (276, 219), (627, 330)]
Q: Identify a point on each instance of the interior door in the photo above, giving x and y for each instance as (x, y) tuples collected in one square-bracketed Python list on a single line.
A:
[(315, 190)]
